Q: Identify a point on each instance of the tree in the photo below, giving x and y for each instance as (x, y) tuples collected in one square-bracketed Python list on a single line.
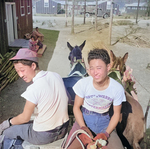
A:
[(137, 11), (72, 25), (96, 14), (66, 12), (148, 8), (84, 11), (111, 20)]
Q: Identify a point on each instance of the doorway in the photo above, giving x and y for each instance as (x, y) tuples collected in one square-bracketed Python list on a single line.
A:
[(11, 21)]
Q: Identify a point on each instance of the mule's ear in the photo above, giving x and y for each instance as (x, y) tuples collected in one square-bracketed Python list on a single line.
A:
[(112, 55), (82, 45), (125, 58), (69, 46)]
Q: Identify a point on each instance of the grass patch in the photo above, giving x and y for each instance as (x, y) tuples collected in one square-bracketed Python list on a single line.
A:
[(50, 39), (145, 144), (123, 22)]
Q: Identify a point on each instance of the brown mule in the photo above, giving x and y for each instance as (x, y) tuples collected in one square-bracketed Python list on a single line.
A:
[(135, 126)]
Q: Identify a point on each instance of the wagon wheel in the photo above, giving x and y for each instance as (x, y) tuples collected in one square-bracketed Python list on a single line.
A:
[(105, 16)]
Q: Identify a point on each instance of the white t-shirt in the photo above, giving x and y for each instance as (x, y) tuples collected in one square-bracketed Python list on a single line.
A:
[(49, 94), (99, 101)]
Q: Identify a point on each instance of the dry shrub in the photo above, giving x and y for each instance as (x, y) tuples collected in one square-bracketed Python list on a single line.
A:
[(123, 22)]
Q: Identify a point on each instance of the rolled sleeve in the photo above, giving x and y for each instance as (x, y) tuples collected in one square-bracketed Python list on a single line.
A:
[(119, 97), (78, 89)]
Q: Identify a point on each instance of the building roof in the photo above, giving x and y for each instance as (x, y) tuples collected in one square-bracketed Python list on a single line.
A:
[(92, 3), (79, 3)]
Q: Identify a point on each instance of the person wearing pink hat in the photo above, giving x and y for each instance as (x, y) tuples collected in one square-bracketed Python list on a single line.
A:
[(35, 44), (46, 93)]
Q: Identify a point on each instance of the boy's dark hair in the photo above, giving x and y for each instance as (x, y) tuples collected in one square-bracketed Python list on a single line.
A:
[(26, 62), (34, 37), (99, 54)]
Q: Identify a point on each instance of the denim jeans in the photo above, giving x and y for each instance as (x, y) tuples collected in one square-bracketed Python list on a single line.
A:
[(95, 121)]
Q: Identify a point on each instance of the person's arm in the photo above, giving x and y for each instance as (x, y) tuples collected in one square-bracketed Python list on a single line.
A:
[(25, 116), (114, 119), (37, 48), (39, 44), (38, 33), (77, 111)]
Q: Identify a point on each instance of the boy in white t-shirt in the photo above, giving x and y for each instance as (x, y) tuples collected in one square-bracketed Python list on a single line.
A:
[(47, 93), (94, 96)]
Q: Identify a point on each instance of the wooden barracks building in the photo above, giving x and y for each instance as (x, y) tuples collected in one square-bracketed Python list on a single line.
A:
[(15, 21)]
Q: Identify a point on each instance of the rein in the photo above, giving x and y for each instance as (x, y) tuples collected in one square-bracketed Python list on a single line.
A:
[(115, 74), (128, 84)]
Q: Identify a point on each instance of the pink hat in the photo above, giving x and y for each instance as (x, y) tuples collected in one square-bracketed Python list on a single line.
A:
[(25, 54)]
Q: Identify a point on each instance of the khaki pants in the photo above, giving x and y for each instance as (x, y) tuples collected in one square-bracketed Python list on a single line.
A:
[(26, 132), (114, 141)]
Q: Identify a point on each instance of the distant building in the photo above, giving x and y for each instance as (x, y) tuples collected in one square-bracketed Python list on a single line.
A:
[(103, 7), (132, 8), (46, 7)]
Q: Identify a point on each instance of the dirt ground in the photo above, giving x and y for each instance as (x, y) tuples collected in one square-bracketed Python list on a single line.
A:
[(12, 104)]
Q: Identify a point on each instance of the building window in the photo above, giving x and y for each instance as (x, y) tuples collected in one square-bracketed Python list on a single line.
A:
[(129, 7), (22, 9), (108, 6), (46, 3), (28, 7)]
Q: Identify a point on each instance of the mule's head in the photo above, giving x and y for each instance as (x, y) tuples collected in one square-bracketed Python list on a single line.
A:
[(118, 63), (75, 52)]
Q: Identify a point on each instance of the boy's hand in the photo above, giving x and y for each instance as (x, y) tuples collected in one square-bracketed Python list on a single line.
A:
[(103, 136), (87, 130)]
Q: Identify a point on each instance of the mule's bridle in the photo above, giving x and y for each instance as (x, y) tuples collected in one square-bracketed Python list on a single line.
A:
[(116, 67)]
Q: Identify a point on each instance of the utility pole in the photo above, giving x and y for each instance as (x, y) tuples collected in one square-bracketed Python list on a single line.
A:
[(96, 14), (66, 12), (137, 11), (111, 20), (84, 11), (72, 26)]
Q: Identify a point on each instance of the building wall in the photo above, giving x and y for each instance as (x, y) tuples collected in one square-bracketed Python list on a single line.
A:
[(24, 14), (132, 8), (115, 9), (133, 11), (103, 6), (24, 23), (51, 9), (3, 29), (106, 6)]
